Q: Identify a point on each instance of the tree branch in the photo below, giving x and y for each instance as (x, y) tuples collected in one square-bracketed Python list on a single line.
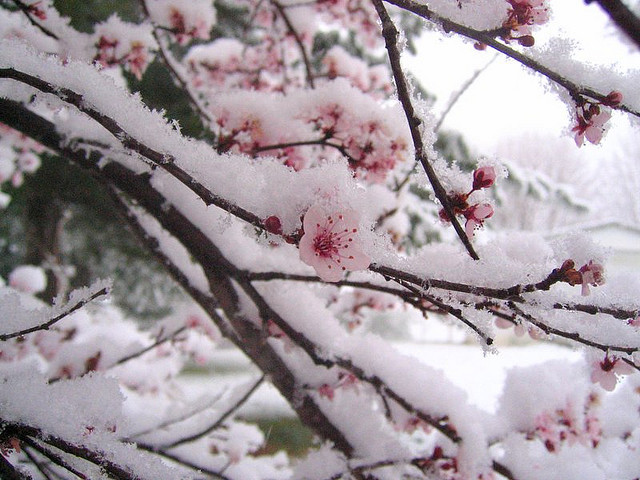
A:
[(68, 311), (206, 431), (488, 38), (622, 16), (247, 337), (28, 13), (298, 40), (390, 34)]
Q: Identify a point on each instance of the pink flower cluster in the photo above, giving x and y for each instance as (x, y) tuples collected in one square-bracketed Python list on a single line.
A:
[(353, 15), (130, 51), (185, 33), (36, 10), (373, 79), (591, 273), (563, 425), (21, 156), (345, 381), (591, 118), (475, 214), (522, 15), (135, 60), (371, 147), (227, 63), (330, 243)]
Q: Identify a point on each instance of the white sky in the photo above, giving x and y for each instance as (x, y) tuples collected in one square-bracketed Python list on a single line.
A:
[(506, 101)]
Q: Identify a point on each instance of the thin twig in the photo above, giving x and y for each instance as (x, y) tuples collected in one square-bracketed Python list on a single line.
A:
[(298, 40), (622, 16), (54, 457), (321, 142), (573, 336), (183, 462), (27, 11), (461, 92), (390, 34), (455, 312), (206, 431), (42, 467), (488, 38), (155, 344), (45, 326), (206, 118), (22, 430)]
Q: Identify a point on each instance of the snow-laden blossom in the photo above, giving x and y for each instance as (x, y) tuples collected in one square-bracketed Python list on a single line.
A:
[(185, 20), (484, 177), (523, 14), (122, 43), (330, 243), (606, 372), (476, 215), (592, 274), (28, 279)]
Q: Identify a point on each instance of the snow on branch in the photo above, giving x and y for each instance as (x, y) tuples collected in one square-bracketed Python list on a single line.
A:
[(287, 231)]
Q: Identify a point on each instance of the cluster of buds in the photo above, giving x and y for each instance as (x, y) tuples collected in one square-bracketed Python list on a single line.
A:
[(591, 273), (522, 15), (36, 10), (346, 380), (183, 32), (475, 214), (440, 464), (135, 59), (591, 117), (565, 426), (355, 15)]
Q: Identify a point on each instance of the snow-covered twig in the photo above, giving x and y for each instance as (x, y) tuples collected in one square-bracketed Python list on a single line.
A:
[(48, 324), (390, 34)]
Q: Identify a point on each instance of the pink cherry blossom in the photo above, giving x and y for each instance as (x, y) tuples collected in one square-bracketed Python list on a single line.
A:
[(525, 13), (592, 274), (590, 125), (330, 243), (607, 371), (476, 215), (484, 177)]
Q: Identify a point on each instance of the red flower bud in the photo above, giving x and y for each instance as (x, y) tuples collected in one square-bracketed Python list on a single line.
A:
[(483, 177), (526, 41), (613, 99), (273, 225)]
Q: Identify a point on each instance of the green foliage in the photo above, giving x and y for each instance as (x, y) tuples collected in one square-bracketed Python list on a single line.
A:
[(285, 433), (84, 14), (86, 234)]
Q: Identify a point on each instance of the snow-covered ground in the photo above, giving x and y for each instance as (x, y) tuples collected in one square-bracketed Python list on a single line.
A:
[(481, 375)]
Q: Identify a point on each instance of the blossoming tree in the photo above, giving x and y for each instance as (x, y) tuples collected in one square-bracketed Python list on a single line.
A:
[(294, 204)]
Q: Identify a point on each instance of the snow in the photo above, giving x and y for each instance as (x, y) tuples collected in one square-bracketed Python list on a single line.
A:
[(480, 375), (449, 392)]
